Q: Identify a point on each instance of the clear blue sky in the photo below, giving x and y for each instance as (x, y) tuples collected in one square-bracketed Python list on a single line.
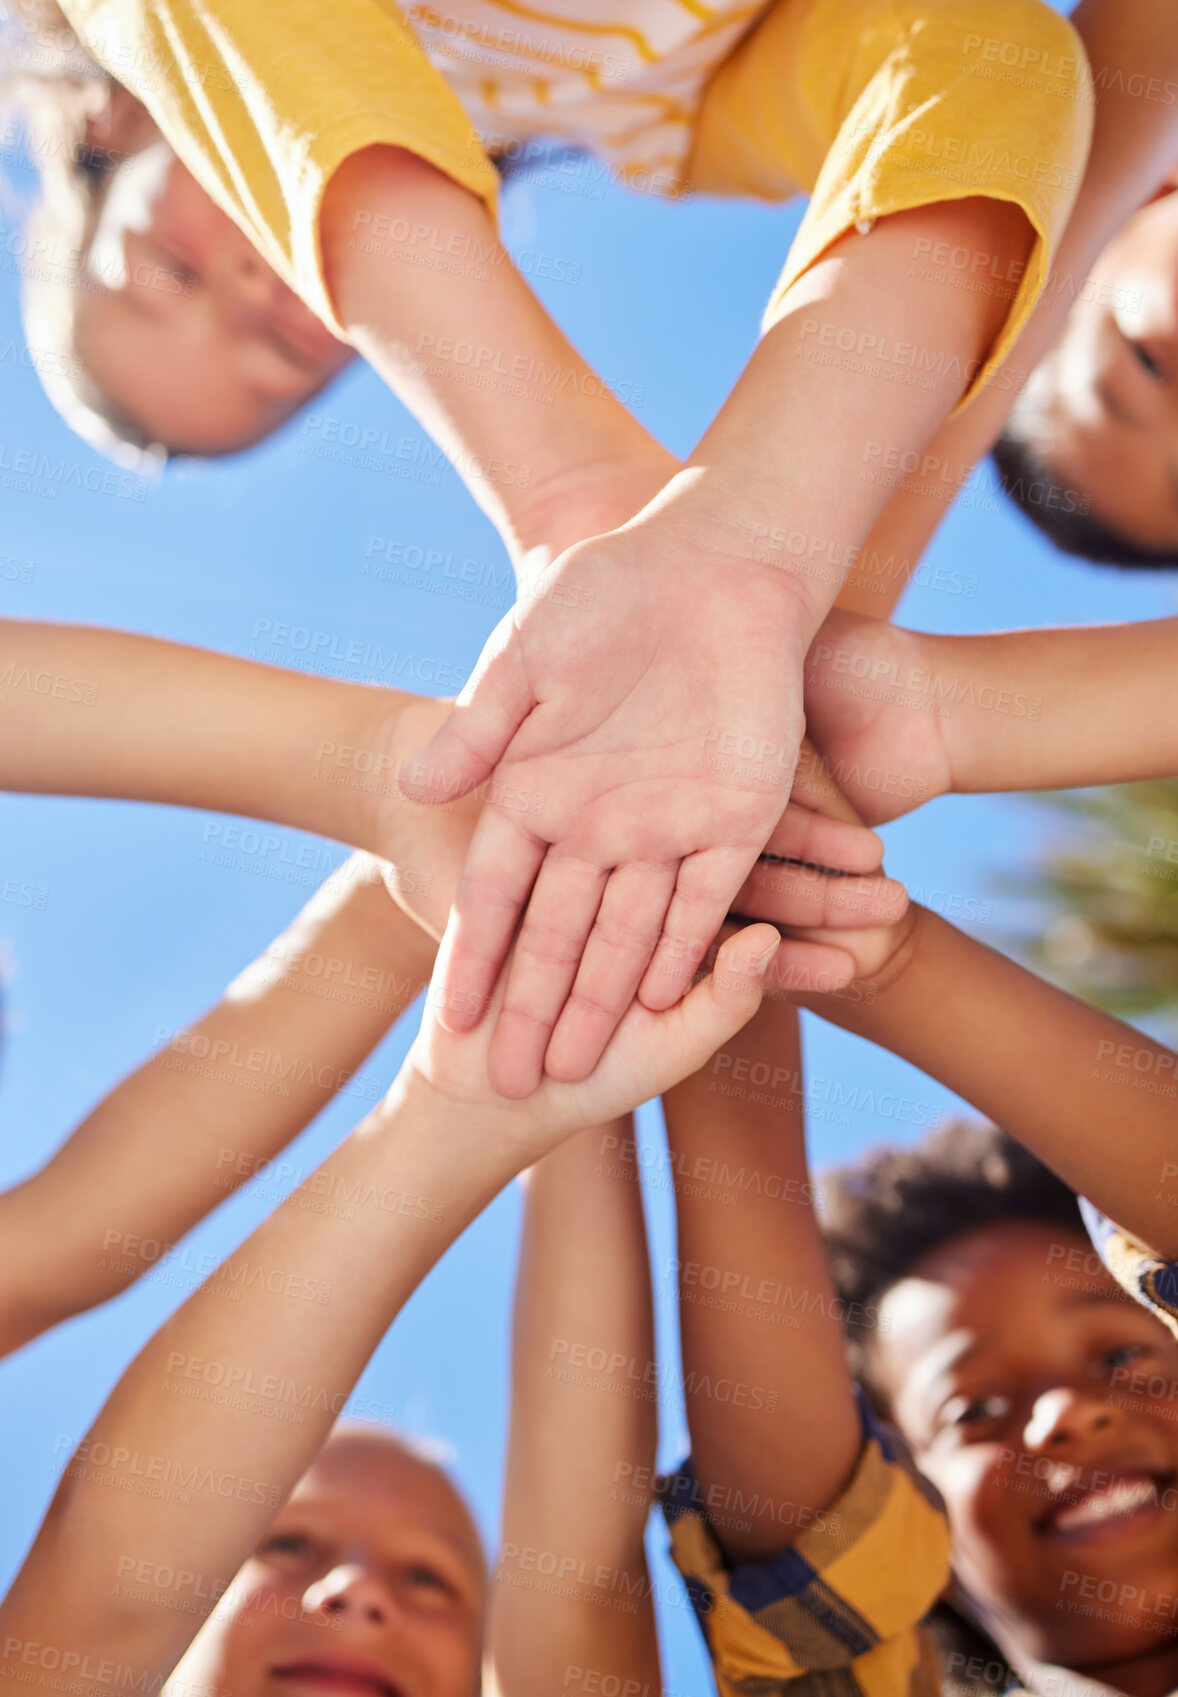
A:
[(138, 932)]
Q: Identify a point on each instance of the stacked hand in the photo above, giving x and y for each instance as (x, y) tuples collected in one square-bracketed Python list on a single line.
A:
[(629, 794), (451, 1071), (877, 712)]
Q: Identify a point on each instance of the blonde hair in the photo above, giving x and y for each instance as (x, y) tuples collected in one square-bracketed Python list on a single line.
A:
[(58, 89)]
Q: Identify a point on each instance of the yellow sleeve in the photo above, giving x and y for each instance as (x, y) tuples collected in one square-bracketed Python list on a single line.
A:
[(262, 100), (881, 106), (843, 1607)]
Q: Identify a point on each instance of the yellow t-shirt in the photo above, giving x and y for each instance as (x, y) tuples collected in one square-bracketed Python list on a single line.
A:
[(873, 106)]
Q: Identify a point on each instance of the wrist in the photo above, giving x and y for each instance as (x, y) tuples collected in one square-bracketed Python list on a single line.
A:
[(370, 926), (934, 666), (710, 516), (586, 498), (477, 1145), (359, 753), (867, 1003)]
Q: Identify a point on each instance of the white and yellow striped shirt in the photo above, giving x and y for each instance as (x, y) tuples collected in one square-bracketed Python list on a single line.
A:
[(623, 81), (873, 106)]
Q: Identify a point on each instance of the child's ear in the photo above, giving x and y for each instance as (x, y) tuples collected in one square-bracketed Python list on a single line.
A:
[(120, 125)]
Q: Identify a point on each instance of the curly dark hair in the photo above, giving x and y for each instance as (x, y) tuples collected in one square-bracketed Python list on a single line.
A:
[(892, 1208), (881, 1217), (1064, 515)]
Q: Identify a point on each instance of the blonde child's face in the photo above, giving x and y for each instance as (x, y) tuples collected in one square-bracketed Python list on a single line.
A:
[(1043, 1405), (1102, 409), (183, 326), (370, 1583)]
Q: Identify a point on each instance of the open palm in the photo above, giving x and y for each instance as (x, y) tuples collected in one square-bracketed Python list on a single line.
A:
[(639, 719)]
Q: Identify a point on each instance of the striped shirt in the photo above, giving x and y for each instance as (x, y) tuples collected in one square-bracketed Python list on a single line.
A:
[(624, 82)]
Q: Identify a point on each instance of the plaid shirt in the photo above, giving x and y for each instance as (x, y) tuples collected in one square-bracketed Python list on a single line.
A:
[(837, 1614)]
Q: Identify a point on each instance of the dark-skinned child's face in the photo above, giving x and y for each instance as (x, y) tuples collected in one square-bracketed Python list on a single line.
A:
[(1043, 1405), (1102, 408)]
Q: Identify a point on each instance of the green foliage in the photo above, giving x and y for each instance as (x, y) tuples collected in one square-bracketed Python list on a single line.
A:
[(1109, 889)]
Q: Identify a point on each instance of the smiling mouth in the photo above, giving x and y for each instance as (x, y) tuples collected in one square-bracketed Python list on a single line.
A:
[(339, 1678), (1128, 1499)]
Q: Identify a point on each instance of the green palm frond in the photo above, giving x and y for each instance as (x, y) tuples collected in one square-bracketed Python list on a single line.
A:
[(1108, 894)]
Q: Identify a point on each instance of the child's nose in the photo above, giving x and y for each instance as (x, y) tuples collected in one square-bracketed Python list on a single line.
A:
[(1062, 1417), (254, 291)]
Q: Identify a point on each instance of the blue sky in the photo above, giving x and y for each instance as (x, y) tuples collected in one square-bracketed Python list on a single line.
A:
[(137, 931)]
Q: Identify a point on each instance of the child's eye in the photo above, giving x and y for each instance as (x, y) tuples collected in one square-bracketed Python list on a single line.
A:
[(967, 1415), (1146, 360), (286, 1544), (1122, 1354), (175, 267), (426, 1578)]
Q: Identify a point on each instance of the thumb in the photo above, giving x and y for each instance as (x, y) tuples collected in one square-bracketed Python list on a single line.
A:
[(728, 998), (650, 1052), (466, 749), (814, 786)]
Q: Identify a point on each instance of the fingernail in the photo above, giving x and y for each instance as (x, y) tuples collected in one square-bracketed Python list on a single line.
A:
[(761, 963)]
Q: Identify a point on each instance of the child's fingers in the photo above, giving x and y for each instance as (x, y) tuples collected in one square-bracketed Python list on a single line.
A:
[(651, 1052), (806, 964), (785, 894), (801, 968), (804, 833), (501, 867), (814, 787), (736, 984), (818, 972)]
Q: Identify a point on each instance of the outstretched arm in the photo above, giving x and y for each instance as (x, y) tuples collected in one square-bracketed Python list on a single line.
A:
[(418, 1169), (1092, 1097), (756, 1304), (543, 445), (212, 1107), (581, 1454), (94, 712), (902, 716)]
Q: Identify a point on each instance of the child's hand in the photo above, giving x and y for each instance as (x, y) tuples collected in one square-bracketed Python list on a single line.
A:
[(857, 921), (646, 1055), (422, 847), (874, 710), (807, 968), (818, 828), (595, 707)]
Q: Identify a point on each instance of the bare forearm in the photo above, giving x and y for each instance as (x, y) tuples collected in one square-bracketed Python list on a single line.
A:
[(782, 474), (1058, 709), (756, 1302), (1134, 145), (532, 429), (1093, 1098), (370, 1254), (85, 711), (582, 1448), (211, 1107)]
